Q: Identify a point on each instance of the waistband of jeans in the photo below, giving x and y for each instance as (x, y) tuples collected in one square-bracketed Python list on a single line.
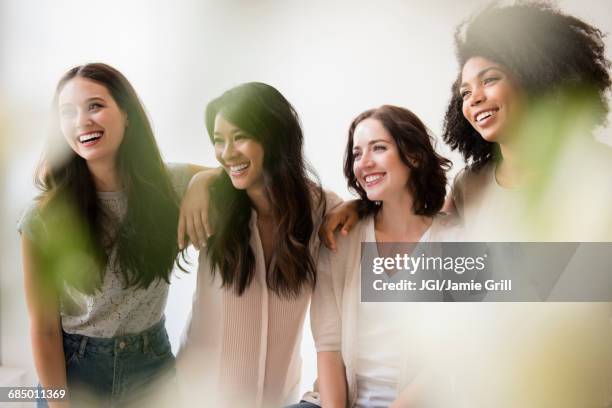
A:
[(143, 337)]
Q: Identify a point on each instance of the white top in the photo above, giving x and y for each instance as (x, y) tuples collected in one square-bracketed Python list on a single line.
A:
[(531, 354), (379, 344), (337, 320), (112, 310), (244, 350)]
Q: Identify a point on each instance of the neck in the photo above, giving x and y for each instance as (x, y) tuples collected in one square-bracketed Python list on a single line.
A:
[(397, 221), (513, 169), (105, 176), (260, 201)]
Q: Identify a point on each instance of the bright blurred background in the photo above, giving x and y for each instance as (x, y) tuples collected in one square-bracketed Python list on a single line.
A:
[(332, 60)]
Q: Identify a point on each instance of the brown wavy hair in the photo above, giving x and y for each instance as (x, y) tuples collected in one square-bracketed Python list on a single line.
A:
[(264, 114), (427, 181), (146, 239)]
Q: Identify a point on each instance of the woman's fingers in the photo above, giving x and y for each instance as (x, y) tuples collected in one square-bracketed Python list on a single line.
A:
[(349, 222), (191, 232), (199, 229), (343, 217), (182, 229), (204, 218), (326, 231)]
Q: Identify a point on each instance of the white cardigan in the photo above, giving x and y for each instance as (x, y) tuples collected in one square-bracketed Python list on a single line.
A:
[(334, 309)]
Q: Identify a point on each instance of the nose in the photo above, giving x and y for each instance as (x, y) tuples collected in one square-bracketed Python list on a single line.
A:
[(83, 119), (366, 161), (477, 96), (228, 151)]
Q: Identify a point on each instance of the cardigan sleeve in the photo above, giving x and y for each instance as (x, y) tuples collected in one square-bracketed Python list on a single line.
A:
[(325, 310)]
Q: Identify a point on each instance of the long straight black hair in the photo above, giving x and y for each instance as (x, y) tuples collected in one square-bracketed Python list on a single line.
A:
[(265, 115), (146, 238)]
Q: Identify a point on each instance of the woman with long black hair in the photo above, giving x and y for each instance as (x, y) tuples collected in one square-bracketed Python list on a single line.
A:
[(258, 269)]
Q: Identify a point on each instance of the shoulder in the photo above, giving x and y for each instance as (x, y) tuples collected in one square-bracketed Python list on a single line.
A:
[(322, 200), (350, 245), (445, 227), (31, 220), (331, 199), (469, 182), (469, 176), (179, 176)]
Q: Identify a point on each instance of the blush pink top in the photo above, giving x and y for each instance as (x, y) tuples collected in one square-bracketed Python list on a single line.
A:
[(244, 350)]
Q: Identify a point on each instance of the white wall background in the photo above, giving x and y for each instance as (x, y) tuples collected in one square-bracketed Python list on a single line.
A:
[(332, 60)]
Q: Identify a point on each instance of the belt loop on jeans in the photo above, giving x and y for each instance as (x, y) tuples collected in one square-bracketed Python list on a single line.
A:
[(82, 346)]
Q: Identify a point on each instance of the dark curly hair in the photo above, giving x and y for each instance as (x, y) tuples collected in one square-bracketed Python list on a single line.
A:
[(546, 51), (268, 117), (427, 168)]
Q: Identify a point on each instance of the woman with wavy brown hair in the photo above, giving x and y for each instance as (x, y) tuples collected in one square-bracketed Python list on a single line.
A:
[(361, 347), (258, 269)]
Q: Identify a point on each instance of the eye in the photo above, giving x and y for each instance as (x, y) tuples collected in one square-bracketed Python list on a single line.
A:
[(490, 80), (356, 155), (218, 140), (380, 147), (240, 136), (94, 106), (464, 94)]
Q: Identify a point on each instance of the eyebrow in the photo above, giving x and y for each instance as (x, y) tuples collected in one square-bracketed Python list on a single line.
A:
[(233, 132), (371, 142), (93, 98), (481, 74)]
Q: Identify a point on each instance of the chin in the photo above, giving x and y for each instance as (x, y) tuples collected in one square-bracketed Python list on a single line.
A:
[(239, 186), (374, 196), (490, 137)]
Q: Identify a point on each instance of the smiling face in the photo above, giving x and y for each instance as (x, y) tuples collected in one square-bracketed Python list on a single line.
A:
[(240, 155), (491, 100), (90, 119), (377, 165)]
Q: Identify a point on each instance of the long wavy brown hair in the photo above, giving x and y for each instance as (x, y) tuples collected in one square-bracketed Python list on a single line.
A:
[(263, 113), (146, 238)]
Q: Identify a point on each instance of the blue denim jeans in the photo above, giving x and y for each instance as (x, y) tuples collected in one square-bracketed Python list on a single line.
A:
[(304, 404), (117, 371)]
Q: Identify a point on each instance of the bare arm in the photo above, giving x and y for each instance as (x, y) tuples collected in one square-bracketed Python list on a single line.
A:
[(421, 391), (331, 379), (193, 169), (193, 218), (343, 217), (45, 324)]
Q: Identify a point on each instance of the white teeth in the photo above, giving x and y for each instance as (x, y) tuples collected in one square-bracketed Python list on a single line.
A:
[(90, 136), (484, 115), (239, 167), (373, 177)]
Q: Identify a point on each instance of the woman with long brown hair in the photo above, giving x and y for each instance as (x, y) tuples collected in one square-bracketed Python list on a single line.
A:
[(99, 244), (258, 269)]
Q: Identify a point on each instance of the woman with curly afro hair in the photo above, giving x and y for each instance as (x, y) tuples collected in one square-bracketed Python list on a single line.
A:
[(531, 91), (530, 78)]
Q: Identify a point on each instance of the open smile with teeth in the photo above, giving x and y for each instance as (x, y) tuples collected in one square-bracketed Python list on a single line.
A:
[(239, 168), (486, 114), (373, 179), (90, 137)]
